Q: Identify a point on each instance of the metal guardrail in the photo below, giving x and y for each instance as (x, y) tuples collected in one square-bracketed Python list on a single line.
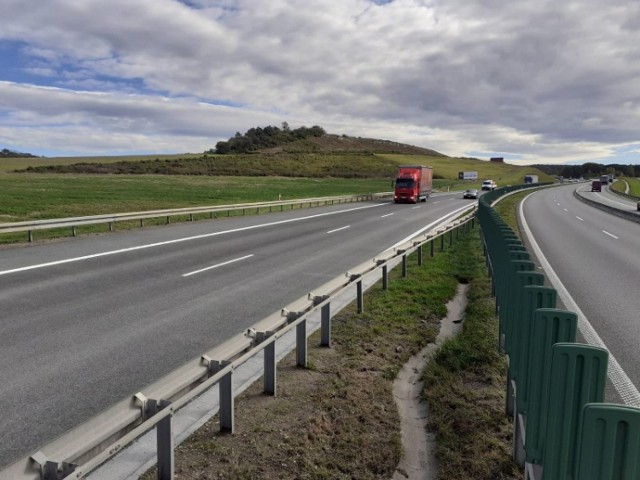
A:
[(112, 218), (555, 387), (632, 215), (81, 450)]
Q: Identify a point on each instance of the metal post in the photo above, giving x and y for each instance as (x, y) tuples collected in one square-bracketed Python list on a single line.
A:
[(385, 277), (73, 231), (270, 369), (360, 296), (111, 226), (168, 220), (420, 256), (191, 217), (301, 344), (30, 235), (404, 265), (226, 400), (165, 445), (141, 223), (450, 237), (442, 242), (432, 247), (325, 325)]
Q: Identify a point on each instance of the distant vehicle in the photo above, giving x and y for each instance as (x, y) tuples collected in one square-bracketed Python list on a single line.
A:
[(413, 184), (596, 186), (531, 179), (489, 185), (471, 193), (604, 179)]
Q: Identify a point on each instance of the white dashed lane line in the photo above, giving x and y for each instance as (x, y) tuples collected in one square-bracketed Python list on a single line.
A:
[(610, 234), (338, 229), (217, 265)]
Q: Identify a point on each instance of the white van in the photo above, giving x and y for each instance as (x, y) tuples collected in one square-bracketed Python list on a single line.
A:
[(489, 185)]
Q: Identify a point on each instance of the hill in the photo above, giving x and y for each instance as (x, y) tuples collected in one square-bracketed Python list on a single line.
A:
[(331, 143)]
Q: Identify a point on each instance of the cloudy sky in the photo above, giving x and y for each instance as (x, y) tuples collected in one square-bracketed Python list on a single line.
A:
[(535, 82)]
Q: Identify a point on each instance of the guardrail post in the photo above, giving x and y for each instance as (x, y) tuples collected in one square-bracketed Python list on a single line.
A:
[(270, 365), (404, 265), (225, 387), (111, 226), (420, 256), (164, 439), (168, 220), (325, 325), (442, 242), (74, 231), (30, 235), (141, 223), (301, 344), (450, 237), (385, 277), (432, 247), (360, 296)]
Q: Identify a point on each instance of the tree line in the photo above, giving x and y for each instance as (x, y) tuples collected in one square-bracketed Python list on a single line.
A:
[(6, 153), (267, 137), (591, 170)]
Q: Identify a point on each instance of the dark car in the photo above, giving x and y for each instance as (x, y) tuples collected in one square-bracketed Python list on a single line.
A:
[(471, 193)]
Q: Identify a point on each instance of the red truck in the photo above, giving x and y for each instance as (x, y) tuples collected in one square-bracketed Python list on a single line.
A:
[(596, 186), (413, 184)]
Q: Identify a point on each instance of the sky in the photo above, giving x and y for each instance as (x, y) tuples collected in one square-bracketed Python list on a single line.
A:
[(534, 82)]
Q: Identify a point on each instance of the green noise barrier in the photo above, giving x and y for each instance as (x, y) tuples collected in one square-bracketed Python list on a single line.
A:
[(578, 375)]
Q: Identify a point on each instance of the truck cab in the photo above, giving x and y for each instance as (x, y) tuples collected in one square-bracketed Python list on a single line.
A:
[(489, 185)]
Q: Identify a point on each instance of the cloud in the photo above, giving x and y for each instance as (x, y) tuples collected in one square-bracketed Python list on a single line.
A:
[(531, 80)]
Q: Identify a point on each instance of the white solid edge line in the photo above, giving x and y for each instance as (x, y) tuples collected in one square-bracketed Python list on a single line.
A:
[(179, 240), (622, 383), (217, 265)]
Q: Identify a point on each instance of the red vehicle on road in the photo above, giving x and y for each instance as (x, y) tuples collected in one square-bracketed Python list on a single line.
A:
[(413, 184)]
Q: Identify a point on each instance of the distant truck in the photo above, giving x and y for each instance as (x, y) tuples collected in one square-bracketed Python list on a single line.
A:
[(604, 179), (531, 179), (413, 184), (596, 186), (467, 175), (489, 185)]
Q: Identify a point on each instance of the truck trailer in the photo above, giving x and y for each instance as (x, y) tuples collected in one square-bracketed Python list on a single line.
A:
[(531, 179), (413, 184)]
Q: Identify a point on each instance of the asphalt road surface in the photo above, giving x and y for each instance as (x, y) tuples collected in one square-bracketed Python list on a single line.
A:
[(596, 257), (87, 322)]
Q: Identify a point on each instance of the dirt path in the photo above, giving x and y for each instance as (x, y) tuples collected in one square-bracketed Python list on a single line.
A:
[(418, 461)]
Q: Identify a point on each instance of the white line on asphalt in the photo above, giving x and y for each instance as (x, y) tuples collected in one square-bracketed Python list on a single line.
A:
[(565, 210), (436, 202), (581, 219), (179, 240), (387, 215), (622, 383), (438, 222), (413, 208), (338, 229), (610, 234), (218, 265)]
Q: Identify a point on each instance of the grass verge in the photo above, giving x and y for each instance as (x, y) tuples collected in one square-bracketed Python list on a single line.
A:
[(337, 418)]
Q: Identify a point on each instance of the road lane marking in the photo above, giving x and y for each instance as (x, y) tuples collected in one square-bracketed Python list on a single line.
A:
[(610, 234), (180, 240), (621, 382), (579, 218), (387, 215), (338, 229), (565, 210), (413, 208), (217, 265)]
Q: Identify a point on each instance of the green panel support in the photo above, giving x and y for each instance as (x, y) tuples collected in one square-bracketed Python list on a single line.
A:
[(535, 297), (515, 308), (508, 289), (550, 326), (609, 443), (578, 376)]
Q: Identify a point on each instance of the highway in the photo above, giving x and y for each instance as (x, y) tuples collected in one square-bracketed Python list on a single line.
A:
[(596, 258), (86, 322)]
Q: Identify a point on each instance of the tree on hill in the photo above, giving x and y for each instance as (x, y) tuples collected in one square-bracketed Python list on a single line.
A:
[(6, 153), (267, 137)]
